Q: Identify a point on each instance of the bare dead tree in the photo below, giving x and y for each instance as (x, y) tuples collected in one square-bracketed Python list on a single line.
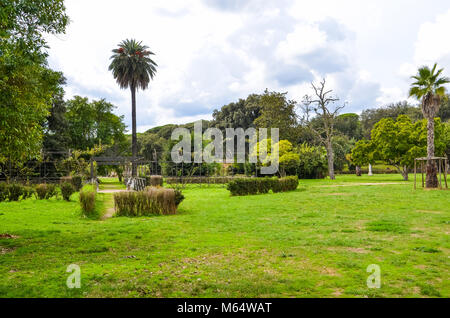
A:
[(325, 106)]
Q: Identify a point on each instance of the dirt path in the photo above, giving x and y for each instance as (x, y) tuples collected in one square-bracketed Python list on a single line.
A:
[(108, 190), (110, 211), (362, 184)]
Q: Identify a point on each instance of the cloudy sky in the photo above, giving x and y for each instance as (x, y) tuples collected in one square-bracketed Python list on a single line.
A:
[(213, 52)]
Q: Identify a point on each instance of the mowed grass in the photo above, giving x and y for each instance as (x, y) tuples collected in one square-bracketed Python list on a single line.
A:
[(315, 242)]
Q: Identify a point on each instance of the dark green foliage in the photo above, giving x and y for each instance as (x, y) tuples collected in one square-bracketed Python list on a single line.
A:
[(46, 191), (27, 192), (77, 182), (91, 123), (87, 202), (4, 192), (370, 117), (179, 197), (67, 189), (27, 84), (151, 201), (241, 114), (15, 191), (349, 125), (41, 191), (313, 162), (52, 191), (252, 186)]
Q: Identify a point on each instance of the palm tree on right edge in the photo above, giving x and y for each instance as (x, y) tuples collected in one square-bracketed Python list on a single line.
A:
[(429, 89)]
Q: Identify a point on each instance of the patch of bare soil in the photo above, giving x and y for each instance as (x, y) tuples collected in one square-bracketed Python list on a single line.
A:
[(357, 250), (4, 250), (360, 184), (429, 211), (112, 191), (8, 236), (108, 214)]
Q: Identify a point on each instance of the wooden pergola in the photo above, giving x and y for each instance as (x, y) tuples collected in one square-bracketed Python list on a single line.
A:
[(442, 163)]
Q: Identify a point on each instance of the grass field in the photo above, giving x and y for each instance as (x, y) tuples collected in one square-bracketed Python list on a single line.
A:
[(315, 242)]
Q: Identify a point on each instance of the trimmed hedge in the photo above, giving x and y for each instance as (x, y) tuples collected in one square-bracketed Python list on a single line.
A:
[(151, 201), (252, 186)]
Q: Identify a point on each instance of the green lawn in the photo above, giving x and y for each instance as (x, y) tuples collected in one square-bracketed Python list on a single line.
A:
[(315, 242)]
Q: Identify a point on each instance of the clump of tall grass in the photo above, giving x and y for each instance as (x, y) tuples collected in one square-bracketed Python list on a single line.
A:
[(154, 181), (87, 202), (151, 201)]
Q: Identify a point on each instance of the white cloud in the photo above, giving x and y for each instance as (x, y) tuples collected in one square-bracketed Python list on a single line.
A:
[(432, 45), (304, 39), (213, 52)]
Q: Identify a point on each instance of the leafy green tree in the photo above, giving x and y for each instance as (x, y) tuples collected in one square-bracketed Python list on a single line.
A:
[(278, 112), (370, 117), (447, 139), (342, 146), (281, 153), (56, 138), (362, 154), (23, 24), (429, 89), (241, 114), (27, 85), (133, 68), (349, 125), (398, 143), (444, 110), (151, 145), (313, 162), (93, 123)]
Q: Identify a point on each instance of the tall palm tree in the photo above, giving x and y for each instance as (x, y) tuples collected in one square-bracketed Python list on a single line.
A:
[(133, 68), (428, 88)]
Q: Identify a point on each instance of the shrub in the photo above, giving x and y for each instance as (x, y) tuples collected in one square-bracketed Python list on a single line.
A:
[(15, 191), (4, 192), (41, 191), (27, 192), (87, 202), (151, 201), (46, 191), (77, 182), (52, 191), (313, 162), (252, 186), (154, 181), (67, 189), (179, 197)]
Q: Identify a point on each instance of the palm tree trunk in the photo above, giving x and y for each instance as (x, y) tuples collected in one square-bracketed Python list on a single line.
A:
[(134, 135), (432, 181)]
